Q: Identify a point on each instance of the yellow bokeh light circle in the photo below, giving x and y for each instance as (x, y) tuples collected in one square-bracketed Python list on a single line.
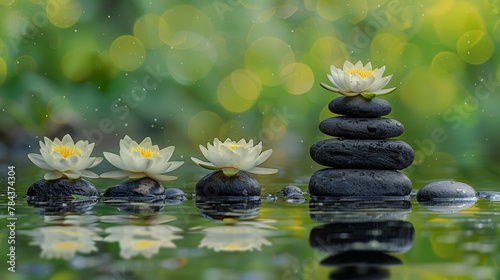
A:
[(63, 13), (246, 84), (60, 110), (204, 127), (188, 65), (3, 70), (297, 78), (331, 10), (475, 47), (382, 47), (266, 57), (25, 63), (77, 65), (428, 91), (448, 61), (230, 99), (329, 51), (457, 20), (127, 53), (146, 29), (404, 56), (184, 26)]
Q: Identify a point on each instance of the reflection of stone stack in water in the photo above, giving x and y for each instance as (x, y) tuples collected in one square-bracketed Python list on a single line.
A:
[(361, 236), (362, 160)]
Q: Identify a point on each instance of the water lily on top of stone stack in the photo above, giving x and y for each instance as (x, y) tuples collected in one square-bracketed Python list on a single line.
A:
[(357, 79), (140, 160), (231, 157), (65, 158)]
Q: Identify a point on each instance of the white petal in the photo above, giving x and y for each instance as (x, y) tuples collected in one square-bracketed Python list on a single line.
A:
[(161, 177), (330, 88), (346, 82), (166, 153), (115, 160), (117, 174), (368, 66), (89, 174), (53, 175), (97, 161), (384, 91), (67, 139), (264, 156), (334, 80), (174, 165), (263, 171), (204, 151), (357, 83), (347, 65), (72, 174), (147, 143), (204, 164), (358, 65), (127, 139), (39, 161)]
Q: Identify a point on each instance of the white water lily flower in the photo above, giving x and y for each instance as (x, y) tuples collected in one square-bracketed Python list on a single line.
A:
[(137, 161), (65, 158), (358, 79), (231, 157)]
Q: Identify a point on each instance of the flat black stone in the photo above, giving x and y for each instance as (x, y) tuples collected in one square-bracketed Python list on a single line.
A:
[(358, 106), (218, 184), (383, 236), (364, 154), (446, 190), (143, 188), (61, 188), (360, 273), (359, 183), (361, 128)]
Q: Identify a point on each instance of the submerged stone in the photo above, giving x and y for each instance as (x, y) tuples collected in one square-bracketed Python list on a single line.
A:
[(218, 184), (365, 154), (383, 236), (359, 183), (361, 258), (175, 193), (361, 128), (132, 189), (446, 191), (358, 106), (223, 207), (293, 194), (61, 188)]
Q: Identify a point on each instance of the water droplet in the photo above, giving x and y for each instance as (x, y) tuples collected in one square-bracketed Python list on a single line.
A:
[(371, 128), (126, 124)]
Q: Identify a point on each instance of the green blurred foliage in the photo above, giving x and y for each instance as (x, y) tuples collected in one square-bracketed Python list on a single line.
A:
[(184, 72)]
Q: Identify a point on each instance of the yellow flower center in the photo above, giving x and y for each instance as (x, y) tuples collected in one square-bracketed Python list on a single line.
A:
[(66, 151), (67, 245), (145, 244), (233, 146), (147, 153), (362, 73)]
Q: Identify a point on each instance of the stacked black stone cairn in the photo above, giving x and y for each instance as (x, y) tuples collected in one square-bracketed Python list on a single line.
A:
[(362, 160)]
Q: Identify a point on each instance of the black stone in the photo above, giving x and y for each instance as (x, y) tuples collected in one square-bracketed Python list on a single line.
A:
[(342, 209), (218, 184), (223, 207), (61, 188), (383, 236), (361, 258), (360, 273), (359, 183), (358, 106), (365, 154), (361, 128), (446, 191), (174, 193), (133, 189), (293, 194)]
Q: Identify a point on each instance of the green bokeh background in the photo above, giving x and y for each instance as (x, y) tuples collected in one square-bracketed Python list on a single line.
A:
[(184, 72)]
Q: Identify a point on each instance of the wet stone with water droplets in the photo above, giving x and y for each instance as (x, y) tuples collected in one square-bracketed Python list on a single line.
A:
[(136, 190), (218, 184), (359, 106), (361, 128), (446, 190)]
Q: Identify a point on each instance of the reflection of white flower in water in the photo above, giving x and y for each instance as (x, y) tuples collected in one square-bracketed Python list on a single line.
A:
[(65, 158), (137, 161), (356, 79), (142, 240), (59, 242), (240, 237), (231, 157)]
